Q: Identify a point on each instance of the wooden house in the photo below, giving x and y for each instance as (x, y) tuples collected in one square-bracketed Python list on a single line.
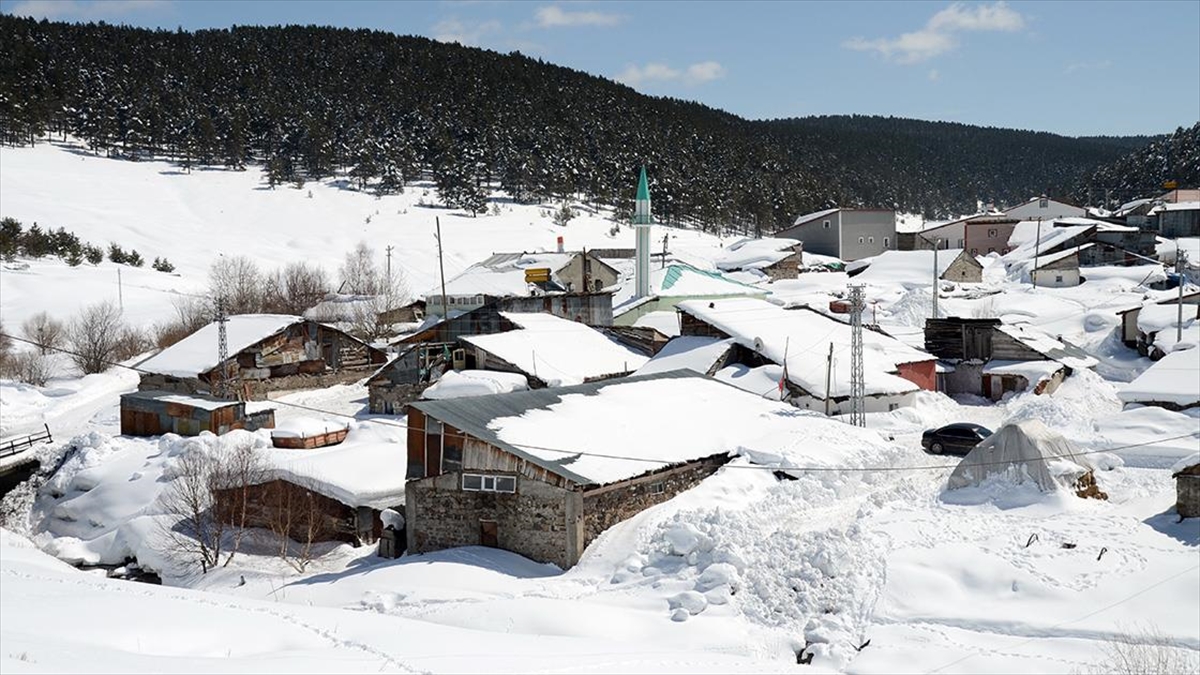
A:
[(480, 474), (153, 413), (991, 358), (1132, 327), (267, 352)]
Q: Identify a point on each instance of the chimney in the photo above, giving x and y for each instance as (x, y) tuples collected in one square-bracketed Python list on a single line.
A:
[(560, 243)]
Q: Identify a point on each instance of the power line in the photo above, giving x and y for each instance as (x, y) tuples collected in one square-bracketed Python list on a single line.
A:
[(579, 453)]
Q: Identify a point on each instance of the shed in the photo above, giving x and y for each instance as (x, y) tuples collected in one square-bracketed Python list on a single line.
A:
[(152, 413), (964, 268), (1057, 270), (1187, 486)]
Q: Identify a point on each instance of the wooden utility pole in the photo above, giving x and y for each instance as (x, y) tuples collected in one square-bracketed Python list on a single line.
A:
[(120, 293), (441, 269), (1037, 248), (388, 249)]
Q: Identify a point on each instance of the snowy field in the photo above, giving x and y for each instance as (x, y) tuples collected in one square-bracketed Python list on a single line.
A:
[(854, 553)]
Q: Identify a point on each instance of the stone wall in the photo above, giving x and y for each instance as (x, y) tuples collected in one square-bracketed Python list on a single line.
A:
[(1187, 490), (540, 521), (607, 506)]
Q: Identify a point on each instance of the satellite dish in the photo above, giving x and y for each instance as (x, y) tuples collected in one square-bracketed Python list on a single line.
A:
[(758, 345)]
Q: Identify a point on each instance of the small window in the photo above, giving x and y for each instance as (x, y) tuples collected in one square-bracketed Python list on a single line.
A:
[(860, 240), (1043, 203), (826, 224), (472, 482), (960, 243), (506, 484), (885, 242), (1058, 278), (992, 232), (893, 406), (599, 285), (870, 240), (657, 488), (475, 482)]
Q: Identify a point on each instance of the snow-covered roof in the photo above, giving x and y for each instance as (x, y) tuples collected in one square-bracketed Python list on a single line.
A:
[(663, 321), (1177, 206), (368, 474), (1158, 316), (754, 253), (907, 268), (687, 352), (193, 400), (1128, 207), (1048, 346), (650, 421), (678, 280), (197, 353), (800, 220), (464, 383), (1050, 258), (804, 336), (1025, 240), (1175, 378), (1033, 371), (558, 351), (501, 275), (304, 427)]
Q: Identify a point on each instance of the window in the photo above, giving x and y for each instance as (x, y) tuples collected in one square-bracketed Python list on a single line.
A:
[(1043, 203), (1058, 278), (885, 242), (992, 232), (893, 406), (599, 285), (826, 224), (478, 482), (960, 243), (860, 240), (870, 240), (657, 488)]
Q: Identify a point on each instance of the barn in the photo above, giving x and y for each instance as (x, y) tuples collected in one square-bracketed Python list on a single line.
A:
[(267, 352), (543, 472)]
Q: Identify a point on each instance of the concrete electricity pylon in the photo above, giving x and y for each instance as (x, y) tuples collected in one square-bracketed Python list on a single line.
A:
[(858, 385)]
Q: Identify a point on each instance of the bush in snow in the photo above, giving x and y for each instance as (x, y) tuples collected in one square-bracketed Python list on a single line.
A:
[(30, 367), (134, 258), (10, 237), (132, 341), (163, 265), (117, 254), (564, 215), (93, 254), (48, 333), (94, 337)]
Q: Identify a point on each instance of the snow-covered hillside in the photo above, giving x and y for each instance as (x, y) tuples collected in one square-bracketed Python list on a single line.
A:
[(191, 219)]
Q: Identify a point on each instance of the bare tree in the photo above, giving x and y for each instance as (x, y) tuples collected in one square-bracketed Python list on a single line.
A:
[(1145, 652), (48, 333), (210, 496), (238, 280), (296, 518), (295, 288), (359, 272), (367, 316), (6, 345), (131, 342), (191, 314), (30, 367), (94, 336), (197, 536)]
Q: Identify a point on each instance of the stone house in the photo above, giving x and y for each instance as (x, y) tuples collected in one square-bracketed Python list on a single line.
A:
[(1057, 270), (267, 352), (479, 473), (964, 268), (846, 234), (153, 413), (775, 259)]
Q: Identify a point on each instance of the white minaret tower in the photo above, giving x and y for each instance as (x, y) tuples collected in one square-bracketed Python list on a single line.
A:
[(641, 225)]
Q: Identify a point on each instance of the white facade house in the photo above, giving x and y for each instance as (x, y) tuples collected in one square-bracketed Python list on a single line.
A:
[(1045, 208)]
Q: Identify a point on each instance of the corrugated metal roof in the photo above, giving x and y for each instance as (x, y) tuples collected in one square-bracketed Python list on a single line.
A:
[(473, 415)]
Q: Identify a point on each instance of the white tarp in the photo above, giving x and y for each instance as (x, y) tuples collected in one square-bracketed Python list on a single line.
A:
[(1026, 451)]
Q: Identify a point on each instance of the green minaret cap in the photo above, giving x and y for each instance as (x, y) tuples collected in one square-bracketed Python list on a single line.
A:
[(643, 189)]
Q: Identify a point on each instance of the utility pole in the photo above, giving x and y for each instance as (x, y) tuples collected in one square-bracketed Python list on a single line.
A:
[(441, 269), (1180, 256), (936, 242), (1037, 248), (388, 249), (120, 293), (664, 256), (858, 413), (828, 378)]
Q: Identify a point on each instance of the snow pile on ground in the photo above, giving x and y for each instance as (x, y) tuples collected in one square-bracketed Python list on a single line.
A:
[(462, 383)]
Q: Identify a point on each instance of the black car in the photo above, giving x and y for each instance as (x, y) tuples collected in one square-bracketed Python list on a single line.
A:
[(954, 439)]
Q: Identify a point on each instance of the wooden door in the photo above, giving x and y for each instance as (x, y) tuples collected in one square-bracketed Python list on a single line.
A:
[(488, 533)]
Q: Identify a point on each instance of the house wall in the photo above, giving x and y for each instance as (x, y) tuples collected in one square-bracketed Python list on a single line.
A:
[(143, 417), (1007, 348), (593, 309), (877, 229), (1052, 278), (788, 268), (540, 521), (1033, 210), (967, 378), (1129, 328), (872, 404), (984, 238), (950, 235), (996, 386), (588, 269), (606, 506), (921, 373), (1187, 495), (281, 506), (816, 236)]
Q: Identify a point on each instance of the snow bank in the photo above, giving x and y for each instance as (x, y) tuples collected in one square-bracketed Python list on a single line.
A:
[(462, 383)]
